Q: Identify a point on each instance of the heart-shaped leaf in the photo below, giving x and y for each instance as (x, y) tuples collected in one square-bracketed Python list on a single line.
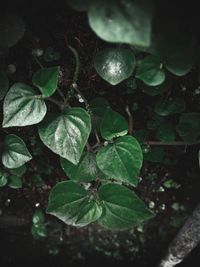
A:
[(122, 21), (122, 209), (22, 106), (115, 65), (66, 134), (121, 160), (113, 125), (46, 80), (85, 171), (165, 132), (4, 84), (188, 127), (72, 204), (15, 152), (177, 52), (150, 71), (165, 107)]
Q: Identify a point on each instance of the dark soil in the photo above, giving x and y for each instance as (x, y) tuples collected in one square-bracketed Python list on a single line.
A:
[(56, 25)]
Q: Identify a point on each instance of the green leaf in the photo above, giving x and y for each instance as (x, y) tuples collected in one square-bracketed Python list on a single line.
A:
[(177, 52), (188, 127), (122, 21), (4, 85), (3, 179), (12, 29), (15, 153), (38, 217), (121, 160), (18, 171), (156, 154), (156, 90), (165, 132), (39, 231), (98, 107), (122, 209), (150, 71), (46, 80), (85, 171), (22, 106), (51, 55), (115, 65), (113, 125), (166, 107), (66, 134), (14, 182), (72, 204)]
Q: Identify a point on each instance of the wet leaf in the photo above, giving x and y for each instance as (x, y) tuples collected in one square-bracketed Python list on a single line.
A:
[(115, 65)]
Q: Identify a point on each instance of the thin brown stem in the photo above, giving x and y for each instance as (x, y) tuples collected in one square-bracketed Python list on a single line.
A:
[(175, 143)]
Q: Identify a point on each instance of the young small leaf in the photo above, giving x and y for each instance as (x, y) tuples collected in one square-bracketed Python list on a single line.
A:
[(150, 71), (22, 106), (115, 65), (66, 134), (122, 209), (85, 171), (121, 160), (71, 203), (165, 132), (46, 80), (113, 125), (15, 152), (3, 179), (14, 182), (188, 127)]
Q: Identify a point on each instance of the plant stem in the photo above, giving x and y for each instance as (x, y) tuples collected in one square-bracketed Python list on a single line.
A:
[(130, 119), (61, 93), (77, 69), (38, 62), (175, 143), (50, 99)]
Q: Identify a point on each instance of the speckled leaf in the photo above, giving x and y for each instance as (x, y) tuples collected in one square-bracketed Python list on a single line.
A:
[(122, 21), (115, 65), (66, 134), (46, 80), (85, 171), (122, 209), (4, 84), (113, 125), (15, 152), (150, 71), (121, 160), (72, 204), (22, 106)]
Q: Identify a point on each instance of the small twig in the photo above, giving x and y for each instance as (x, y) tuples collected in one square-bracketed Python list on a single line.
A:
[(130, 119), (61, 93), (38, 62)]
